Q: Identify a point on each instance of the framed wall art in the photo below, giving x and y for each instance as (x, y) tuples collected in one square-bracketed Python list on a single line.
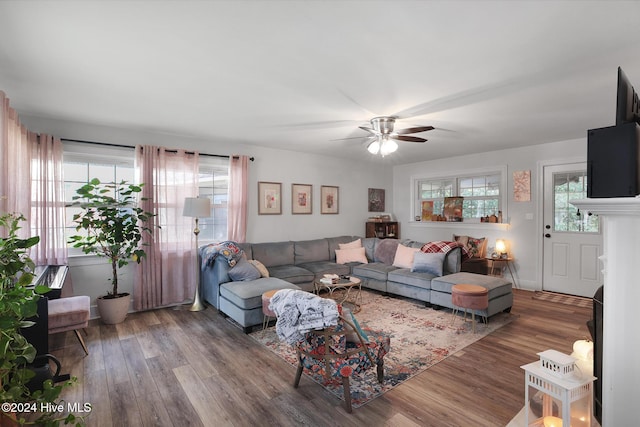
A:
[(453, 208), (301, 199), (269, 198), (328, 199), (376, 199)]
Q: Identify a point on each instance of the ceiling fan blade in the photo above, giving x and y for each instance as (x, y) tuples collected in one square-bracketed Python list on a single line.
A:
[(372, 131), (407, 138), (354, 137), (416, 129)]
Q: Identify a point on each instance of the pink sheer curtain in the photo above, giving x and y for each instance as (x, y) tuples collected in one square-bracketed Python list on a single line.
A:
[(47, 194), (237, 202), (167, 275), (15, 176)]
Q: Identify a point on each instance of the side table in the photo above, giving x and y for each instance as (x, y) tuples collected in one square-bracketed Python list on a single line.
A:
[(492, 265)]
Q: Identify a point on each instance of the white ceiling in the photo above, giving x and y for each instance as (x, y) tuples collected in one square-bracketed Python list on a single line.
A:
[(298, 75)]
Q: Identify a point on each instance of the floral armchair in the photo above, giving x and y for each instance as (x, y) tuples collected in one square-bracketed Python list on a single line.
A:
[(340, 351)]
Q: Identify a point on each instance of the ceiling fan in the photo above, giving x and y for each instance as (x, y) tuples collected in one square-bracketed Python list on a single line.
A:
[(384, 136)]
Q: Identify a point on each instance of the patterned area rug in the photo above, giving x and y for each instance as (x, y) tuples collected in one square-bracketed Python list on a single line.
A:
[(563, 299), (420, 338)]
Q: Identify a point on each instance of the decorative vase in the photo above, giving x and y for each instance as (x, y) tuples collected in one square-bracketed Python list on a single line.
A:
[(113, 310)]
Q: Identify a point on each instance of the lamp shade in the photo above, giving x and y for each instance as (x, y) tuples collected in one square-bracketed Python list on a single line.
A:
[(501, 247), (197, 207)]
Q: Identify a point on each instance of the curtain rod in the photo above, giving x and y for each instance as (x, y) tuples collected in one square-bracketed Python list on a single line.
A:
[(110, 144)]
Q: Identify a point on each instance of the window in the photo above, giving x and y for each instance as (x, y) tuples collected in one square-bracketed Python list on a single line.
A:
[(214, 184), (566, 187), (83, 162), (481, 192)]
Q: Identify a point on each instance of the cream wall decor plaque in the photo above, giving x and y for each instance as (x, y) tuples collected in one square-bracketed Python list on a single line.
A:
[(328, 199), (301, 199), (269, 198)]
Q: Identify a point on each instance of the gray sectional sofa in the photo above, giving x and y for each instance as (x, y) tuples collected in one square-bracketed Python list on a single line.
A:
[(296, 265)]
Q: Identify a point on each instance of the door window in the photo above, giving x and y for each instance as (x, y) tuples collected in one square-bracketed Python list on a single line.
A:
[(569, 186)]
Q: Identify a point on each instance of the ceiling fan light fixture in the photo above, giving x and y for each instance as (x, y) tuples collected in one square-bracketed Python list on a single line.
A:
[(388, 146), (374, 147)]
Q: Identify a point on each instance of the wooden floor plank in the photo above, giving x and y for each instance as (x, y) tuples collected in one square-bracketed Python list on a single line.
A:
[(175, 367)]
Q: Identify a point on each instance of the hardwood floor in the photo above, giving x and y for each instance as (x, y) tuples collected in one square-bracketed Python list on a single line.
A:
[(177, 368)]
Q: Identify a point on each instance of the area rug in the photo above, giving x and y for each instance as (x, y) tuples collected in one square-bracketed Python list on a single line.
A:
[(563, 299), (420, 338)]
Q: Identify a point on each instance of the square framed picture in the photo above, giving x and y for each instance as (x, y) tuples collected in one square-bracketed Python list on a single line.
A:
[(328, 199), (269, 198), (301, 199)]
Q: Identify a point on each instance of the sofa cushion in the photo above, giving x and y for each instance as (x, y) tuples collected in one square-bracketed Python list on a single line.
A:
[(385, 251), (321, 268), (406, 277), (496, 285), (373, 270), (274, 254), (243, 271), (428, 263), (291, 273), (344, 256), (369, 245), (249, 297), (311, 250), (404, 256)]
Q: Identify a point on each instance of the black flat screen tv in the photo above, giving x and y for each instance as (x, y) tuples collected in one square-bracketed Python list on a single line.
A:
[(627, 103)]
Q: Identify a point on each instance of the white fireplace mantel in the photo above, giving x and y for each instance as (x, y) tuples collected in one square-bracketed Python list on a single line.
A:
[(621, 312)]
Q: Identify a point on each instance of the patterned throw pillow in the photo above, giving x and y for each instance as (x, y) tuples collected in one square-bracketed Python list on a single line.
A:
[(476, 247)]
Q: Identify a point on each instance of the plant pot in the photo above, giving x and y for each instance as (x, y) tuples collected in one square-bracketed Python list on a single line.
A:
[(113, 310)]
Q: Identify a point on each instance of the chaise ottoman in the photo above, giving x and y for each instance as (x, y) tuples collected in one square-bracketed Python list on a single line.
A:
[(500, 294)]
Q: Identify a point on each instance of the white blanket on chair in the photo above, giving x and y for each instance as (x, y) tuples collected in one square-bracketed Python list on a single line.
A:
[(299, 312)]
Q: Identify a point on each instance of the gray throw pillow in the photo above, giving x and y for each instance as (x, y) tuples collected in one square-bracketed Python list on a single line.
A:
[(428, 262), (243, 271)]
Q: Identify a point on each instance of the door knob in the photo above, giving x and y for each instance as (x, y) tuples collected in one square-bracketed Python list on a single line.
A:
[(547, 235)]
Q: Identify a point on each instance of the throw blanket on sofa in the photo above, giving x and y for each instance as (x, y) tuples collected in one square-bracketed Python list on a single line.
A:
[(228, 250), (299, 312), (444, 246)]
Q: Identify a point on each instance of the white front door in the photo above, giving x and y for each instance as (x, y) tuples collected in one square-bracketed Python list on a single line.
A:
[(572, 239)]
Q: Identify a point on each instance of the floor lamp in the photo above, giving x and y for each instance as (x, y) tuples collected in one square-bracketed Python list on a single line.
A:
[(196, 207)]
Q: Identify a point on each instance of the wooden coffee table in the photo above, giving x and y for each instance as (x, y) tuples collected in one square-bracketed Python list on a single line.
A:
[(344, 291)]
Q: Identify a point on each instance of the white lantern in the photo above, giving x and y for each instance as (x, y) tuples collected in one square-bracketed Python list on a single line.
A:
[(557, 394)]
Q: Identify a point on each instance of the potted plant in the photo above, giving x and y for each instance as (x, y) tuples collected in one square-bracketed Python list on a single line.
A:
[(18, 302), (112, 225)]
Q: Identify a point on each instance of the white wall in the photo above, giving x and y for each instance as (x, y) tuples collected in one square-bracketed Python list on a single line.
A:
[(90, 274), (523, 235)]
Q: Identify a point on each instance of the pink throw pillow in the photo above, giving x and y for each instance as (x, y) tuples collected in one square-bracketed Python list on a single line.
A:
[(344, 256), (404, 256)]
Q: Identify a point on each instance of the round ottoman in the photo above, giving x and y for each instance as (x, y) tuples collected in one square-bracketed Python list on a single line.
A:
[(469, 297), (266, 299)]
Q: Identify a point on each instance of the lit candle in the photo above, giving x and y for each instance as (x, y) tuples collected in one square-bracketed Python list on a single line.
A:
[(552, 422)]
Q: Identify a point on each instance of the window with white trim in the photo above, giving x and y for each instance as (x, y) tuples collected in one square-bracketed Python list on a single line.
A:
[(481, 193), (83, 162)]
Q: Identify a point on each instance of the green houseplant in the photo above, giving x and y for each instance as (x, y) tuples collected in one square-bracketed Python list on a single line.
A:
[(18, 303), (111, 226)]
